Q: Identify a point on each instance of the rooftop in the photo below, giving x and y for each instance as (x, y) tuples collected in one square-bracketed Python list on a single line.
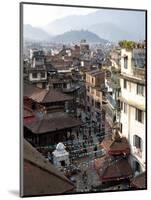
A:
[(114, 147), (29, 116), (53, 122), (95, 72), (139, 181), (111, 168), (39, 174), (44, 96)]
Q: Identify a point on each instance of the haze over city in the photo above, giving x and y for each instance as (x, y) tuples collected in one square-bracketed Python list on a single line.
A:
[(105, 23)]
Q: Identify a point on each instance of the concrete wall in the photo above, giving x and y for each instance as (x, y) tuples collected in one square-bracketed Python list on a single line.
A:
[(39, 78), (130, 93), (130, 126), (129, 70)]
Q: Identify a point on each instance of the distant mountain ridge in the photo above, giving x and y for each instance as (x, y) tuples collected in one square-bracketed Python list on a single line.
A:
[(37, 34), (124, 24), (111, 25), (34, 33), (111, 31), (77, 36)]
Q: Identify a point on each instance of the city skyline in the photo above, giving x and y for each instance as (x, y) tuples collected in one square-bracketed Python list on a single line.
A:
[(84, 103)]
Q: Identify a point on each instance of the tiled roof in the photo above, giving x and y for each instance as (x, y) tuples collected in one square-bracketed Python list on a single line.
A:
[(139, 181), (118, 170), (44, 96), (40, 176), (52, 124), (116, 148), (29, 116), (113, 168), (95, 72), (28, 112)]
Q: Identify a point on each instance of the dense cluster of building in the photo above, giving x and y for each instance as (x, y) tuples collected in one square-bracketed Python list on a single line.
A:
[(80, 103)]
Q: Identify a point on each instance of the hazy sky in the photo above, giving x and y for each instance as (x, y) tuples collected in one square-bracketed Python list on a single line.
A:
[(40, 15)]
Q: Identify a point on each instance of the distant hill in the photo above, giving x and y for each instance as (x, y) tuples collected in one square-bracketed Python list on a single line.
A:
[(34, 33), (112, 25), (111, 32), (77, 36)]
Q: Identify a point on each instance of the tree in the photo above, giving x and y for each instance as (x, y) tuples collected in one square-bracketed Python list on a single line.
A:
[(127, 44)]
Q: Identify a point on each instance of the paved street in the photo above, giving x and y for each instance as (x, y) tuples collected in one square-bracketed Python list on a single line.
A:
[(87, 177)]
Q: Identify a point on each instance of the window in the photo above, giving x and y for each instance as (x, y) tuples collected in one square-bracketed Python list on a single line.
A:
[(140, 89), (42, 74), (34, 75), (125, 62), (92, 90), (92, 102), (139, 115), (121, 105), (62, 162), (137, 142), (136, 166), (125, 107), (88, 98), (97, 93), (97, 105), (121, 127), (129, 85), (125, 84)]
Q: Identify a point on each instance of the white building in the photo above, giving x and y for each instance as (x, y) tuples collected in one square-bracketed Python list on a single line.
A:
[(37, 72), (133, 108), (60, 156)]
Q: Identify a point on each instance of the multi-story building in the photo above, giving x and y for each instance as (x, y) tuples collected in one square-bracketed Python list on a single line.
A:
[(133, 108), (94, 86), (37, 71), (47, 118), (84, 50), (112, 85)]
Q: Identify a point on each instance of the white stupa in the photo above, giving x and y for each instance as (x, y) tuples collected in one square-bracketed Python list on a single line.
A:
[(60, 156)]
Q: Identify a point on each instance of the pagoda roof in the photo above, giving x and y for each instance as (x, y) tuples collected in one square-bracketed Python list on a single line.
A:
[(44, 96)]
